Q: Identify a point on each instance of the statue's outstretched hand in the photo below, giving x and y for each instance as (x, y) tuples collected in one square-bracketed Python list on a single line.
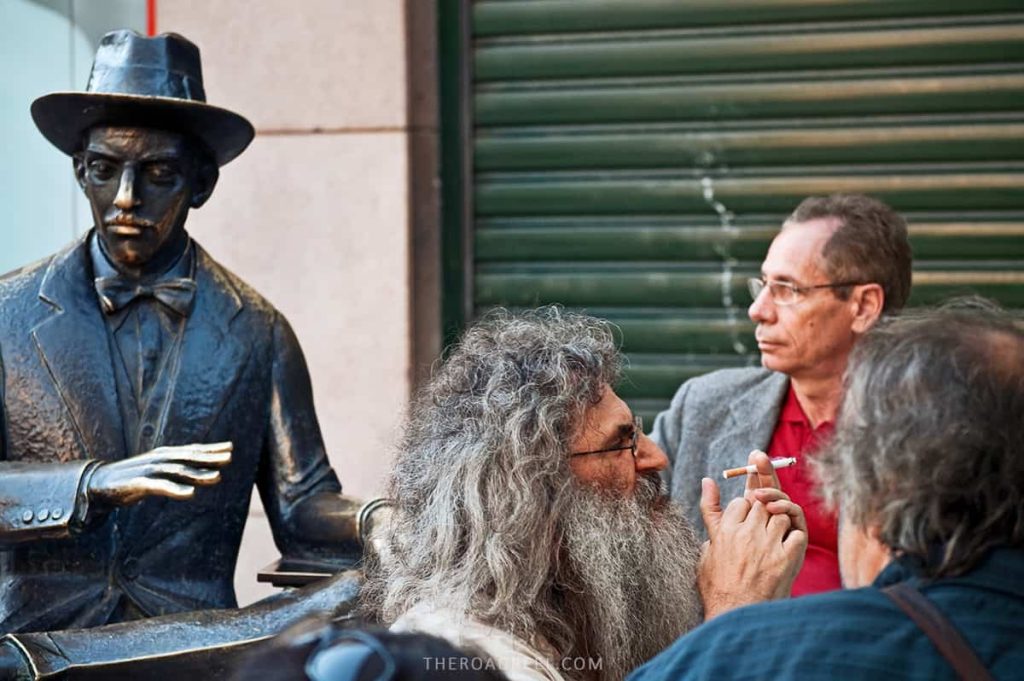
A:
[(173, 472)]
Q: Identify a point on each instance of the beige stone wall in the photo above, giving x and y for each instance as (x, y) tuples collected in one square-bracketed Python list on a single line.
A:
[(315, 213)]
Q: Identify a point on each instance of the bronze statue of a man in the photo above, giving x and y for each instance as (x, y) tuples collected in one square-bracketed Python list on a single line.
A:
[(127, 345)]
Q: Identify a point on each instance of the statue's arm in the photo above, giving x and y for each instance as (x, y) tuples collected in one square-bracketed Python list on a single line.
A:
[(39, 500), (42, 500), (300, 491), (203, 644), (55, 500)]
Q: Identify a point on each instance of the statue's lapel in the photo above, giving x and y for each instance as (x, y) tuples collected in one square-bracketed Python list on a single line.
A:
[(74, 346), (210, 360)]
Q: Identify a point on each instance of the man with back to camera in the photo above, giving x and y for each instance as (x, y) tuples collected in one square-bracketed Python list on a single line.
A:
[(132, 339), (529, 519), (839, 263), (926, 471)]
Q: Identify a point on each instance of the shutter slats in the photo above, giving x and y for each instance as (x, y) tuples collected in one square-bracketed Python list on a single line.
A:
[(596, 194), (588, 103), (637, 239), (636, 157), (513, 17), (668, 285), (647, 374), (779, 147), (682, 331), (645, 55)]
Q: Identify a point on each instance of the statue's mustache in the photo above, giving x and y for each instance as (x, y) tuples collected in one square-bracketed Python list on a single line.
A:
[(128, 220)]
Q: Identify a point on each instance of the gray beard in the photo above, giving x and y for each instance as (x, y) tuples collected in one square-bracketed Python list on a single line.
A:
[(629, 579)]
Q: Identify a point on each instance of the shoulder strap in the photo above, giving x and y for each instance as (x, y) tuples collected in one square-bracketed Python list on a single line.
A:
[(940, 630)]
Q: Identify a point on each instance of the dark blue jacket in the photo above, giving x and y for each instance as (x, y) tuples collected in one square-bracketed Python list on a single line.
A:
[(858, 633)]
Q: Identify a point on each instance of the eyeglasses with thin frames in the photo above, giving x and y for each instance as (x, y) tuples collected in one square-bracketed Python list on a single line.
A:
[(785, 293), (638, 427)]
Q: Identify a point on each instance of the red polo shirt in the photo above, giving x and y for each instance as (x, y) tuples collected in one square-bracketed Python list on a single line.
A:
[(794, 436)]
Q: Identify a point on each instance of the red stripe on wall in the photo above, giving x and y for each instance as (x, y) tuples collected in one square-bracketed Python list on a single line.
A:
[(150, 17)]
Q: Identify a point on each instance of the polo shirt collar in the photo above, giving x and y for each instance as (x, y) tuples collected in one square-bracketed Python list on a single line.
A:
[(1002, 569)]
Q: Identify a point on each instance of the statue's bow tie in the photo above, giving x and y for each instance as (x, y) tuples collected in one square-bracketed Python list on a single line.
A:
[(177, 294)]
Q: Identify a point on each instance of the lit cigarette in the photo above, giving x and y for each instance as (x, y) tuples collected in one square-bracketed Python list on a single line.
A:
[(776, 464)]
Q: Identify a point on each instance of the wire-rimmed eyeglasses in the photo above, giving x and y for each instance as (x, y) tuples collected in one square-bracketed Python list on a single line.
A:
[(638, 427), (785, 293)]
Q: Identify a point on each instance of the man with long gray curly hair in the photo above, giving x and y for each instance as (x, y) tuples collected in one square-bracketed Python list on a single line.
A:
[(927, 472), (530, 520)]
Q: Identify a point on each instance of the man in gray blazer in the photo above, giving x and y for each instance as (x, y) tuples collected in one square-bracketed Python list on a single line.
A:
[(837, 265)]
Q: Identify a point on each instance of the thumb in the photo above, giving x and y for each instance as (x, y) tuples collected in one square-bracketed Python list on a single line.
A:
[(710, 505)]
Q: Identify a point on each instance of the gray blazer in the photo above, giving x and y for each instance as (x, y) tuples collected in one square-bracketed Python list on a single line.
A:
[(713, 423)]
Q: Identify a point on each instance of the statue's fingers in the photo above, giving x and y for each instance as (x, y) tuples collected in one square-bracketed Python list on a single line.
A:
[(210, 459), (225, 446), (204, 478), (207, 455), (152, 455), (189, 475), (164, 488), (190, 455)]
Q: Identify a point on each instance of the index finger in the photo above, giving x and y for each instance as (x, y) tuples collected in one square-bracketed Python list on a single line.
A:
[(205, 459), (225, 446), (765, 475), (195, 455)]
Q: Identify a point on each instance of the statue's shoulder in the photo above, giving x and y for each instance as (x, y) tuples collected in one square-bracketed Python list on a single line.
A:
[(31, 293), (27, 279), (230, 284), (25, 272), (67, 261)]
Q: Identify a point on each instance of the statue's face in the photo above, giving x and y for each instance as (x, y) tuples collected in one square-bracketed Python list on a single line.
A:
[(140, 185)]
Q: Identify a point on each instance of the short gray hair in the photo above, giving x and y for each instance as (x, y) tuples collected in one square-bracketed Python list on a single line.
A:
[(929, 438), (870, 245)]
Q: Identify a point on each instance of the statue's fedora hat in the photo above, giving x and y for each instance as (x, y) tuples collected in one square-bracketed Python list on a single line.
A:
[(147, 82)]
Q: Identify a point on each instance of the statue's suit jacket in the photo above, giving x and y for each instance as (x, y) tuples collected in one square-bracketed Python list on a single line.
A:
[(713, 423), (241, 377)]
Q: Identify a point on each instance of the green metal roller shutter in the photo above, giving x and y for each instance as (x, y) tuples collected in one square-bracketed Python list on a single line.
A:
[(635, 158)]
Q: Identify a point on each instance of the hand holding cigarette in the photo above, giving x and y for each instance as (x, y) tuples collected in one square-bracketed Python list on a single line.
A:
[(762, 476), (755, 545)]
